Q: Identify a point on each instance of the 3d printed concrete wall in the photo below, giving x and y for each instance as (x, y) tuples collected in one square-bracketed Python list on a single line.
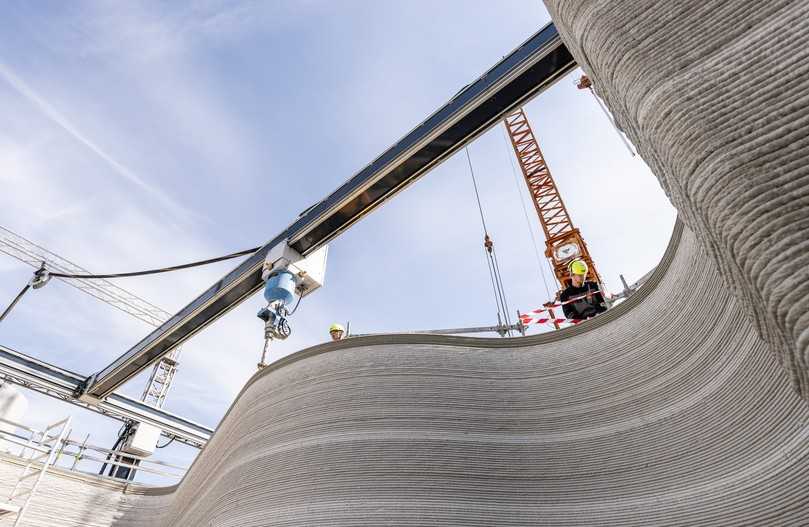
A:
[(665, 411), (715, 94), (668, 410)]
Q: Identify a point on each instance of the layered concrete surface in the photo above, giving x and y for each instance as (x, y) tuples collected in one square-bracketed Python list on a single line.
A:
[(667, 410), (664, 411), (70, 499), (682, 406), (715, 94)]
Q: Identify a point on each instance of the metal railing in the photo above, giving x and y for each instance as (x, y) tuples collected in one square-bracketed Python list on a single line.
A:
[(85, 458), (37, 454)]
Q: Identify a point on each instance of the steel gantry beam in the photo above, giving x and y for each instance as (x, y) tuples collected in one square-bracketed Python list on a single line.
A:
[(62, 384), (518, 77)]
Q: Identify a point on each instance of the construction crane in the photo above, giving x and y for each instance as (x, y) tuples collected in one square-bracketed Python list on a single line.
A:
[(563, 241)]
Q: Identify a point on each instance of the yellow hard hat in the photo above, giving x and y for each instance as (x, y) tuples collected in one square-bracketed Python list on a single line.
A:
[(577, 267), (337, 327)]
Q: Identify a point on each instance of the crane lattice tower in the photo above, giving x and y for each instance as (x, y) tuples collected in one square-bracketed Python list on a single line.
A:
[(563, 241)]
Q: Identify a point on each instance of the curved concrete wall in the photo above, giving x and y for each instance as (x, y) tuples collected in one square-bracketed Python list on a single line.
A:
[(664, 411), (667, 410), (715, 94), (71, 499)]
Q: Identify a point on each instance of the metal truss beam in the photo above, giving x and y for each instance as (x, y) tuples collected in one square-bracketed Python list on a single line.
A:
[(32, 254), (553, 215), (62, 384), (536, 64)]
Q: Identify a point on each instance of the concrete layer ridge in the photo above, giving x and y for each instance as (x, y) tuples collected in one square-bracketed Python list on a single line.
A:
[(684, 406), (665, 412), (715, 95)]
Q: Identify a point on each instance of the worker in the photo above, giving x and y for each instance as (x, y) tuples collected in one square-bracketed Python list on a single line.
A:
[(337, 331), (592, 301)]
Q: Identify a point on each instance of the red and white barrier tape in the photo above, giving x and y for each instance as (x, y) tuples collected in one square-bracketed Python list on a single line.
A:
[(527, 319)]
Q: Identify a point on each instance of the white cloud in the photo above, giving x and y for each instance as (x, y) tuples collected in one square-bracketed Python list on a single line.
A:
[(31, 96)]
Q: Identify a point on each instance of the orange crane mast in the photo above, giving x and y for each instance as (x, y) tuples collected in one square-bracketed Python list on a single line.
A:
[(563, 241)]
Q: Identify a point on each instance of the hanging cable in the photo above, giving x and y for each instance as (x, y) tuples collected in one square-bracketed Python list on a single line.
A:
[(170, 441), (497, 280), (296, 305), (491, 258), (160, 270), (502, 288), (111, 454), (517, 183), (14, 302), (584, 83), (486, 241), (40, 278), (477, 194)]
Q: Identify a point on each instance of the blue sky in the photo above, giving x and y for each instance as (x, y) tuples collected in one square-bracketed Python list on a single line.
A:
[(135, 135)]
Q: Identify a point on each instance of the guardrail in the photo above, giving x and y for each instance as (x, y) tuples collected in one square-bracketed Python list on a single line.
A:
[(75, 456)]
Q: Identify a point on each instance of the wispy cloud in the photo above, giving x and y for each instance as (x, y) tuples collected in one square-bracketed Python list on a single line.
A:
[(59, 119)]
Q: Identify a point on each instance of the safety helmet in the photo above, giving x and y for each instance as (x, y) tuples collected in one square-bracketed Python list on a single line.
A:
[(577, 267), (337, 327)]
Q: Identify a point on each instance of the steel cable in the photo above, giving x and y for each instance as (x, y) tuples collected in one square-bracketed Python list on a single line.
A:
[(502, 289), (491, 259), (160, 270), (14, 302)]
